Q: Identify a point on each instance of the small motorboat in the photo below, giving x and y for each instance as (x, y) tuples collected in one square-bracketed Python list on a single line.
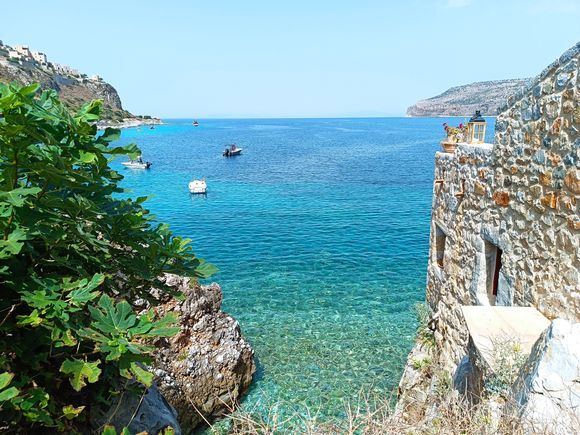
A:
[(195, 123), (198, 187), (232, 150), (137, 164)]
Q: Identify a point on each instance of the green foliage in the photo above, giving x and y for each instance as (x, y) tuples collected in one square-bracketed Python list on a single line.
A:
[(424, 333), (422, 364), (76, 265), (508, 357)]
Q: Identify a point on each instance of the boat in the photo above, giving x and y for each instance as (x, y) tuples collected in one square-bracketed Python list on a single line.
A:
[(232, 150), (137, 164), (198, 187), (195, 123)]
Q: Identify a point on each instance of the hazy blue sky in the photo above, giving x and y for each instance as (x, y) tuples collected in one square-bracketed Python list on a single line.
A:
[(300, 58)]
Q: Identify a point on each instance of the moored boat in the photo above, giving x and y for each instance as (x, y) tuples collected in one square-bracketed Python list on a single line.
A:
[(197, 186), (137, 164), (232, 150)]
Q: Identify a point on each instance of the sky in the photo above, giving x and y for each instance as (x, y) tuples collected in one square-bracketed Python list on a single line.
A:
[(299, 58)]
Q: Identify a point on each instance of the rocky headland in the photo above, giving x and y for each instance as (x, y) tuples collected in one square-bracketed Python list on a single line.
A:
[(488, 97), (22, 65)]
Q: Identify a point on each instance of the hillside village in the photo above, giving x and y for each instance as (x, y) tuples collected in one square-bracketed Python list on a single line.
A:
[(22, 54), (23, 65)]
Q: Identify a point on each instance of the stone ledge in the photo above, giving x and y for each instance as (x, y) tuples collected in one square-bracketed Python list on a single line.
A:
[(463, 148), (487, 324)]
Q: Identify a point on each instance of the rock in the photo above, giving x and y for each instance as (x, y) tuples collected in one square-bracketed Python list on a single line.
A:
[(547, 389), (501, 198), (151, 415), (204, 369), (572, 181)]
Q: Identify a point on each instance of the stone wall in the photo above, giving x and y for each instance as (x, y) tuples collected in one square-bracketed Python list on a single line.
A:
[(517, 199)]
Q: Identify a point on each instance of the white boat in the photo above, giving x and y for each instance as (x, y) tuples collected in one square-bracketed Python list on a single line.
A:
[(232, 150), (197, 187), (137, 164)]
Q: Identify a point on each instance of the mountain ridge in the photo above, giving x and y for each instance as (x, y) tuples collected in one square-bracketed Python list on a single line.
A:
[(487, 96)]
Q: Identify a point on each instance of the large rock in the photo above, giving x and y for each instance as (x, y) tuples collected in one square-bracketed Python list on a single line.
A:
[(204, 369), (548, 389), (150, 413)]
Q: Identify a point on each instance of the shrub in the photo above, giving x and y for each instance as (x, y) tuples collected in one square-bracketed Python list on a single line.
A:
[(76, 265), (509, 358), (422, 364), (424, 334)]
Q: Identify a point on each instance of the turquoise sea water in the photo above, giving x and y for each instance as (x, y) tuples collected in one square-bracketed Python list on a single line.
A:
[(320, 230)]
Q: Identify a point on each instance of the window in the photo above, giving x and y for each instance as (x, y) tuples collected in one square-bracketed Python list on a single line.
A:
[(492, 270), (440, 238)]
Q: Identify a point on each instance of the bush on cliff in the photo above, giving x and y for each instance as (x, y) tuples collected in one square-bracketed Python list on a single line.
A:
[(75, 259)]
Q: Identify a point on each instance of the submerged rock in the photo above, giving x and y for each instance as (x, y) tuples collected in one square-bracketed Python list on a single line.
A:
[(204, 369)]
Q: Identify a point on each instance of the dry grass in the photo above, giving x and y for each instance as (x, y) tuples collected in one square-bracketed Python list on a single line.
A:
[(446, 415)]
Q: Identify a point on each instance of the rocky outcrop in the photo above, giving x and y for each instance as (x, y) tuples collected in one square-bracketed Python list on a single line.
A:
[(488, 97), (548, 389), (204, 369), (73, 87)]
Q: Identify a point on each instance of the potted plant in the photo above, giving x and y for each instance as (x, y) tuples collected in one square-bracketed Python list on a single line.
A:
[(454, 135)]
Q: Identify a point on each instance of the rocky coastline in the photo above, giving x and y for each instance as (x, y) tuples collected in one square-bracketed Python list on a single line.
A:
[(128, 123)]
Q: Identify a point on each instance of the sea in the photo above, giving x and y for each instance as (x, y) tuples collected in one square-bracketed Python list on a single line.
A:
[(320, 231)]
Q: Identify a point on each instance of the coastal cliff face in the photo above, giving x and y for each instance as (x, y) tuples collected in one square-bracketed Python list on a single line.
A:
[(505, 230), (488, 97), (24, 66)]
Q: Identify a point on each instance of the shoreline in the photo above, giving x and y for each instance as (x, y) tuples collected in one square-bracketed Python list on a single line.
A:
[(128, 123)]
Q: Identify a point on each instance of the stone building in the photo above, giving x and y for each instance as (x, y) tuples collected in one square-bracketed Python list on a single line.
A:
[(23, 50), (505, 231), (505, 217), (39, 57)]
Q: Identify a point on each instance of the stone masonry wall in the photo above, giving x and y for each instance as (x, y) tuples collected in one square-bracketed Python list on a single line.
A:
[(520, 195)]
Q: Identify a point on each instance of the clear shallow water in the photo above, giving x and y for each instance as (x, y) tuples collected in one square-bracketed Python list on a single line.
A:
[(320, 230)]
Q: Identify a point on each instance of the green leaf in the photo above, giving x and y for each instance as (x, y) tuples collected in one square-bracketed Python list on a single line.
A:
[(109, 430), (113, 318), (142, 375), (87, 157), (70, 412), (110, 135), (205, 269), (5, 379), (16, 197), (8, 394), (85, 293), (79, 371), (13, 244)]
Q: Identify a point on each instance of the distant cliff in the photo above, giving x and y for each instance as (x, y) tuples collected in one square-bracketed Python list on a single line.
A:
[(464, 100), (25, 66)]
